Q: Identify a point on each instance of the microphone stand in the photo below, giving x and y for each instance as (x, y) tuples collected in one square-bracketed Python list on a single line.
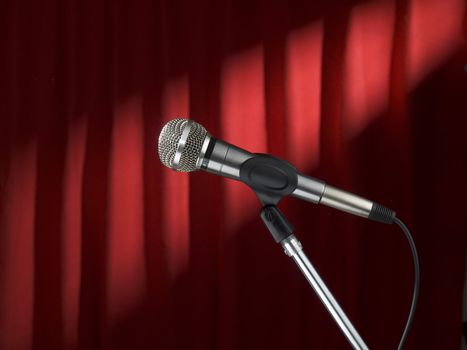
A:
[(282, 232)]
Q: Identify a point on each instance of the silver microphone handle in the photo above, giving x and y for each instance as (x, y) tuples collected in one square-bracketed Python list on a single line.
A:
[(226, 160)]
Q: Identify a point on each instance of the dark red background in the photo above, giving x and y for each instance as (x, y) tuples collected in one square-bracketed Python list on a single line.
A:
[(103, 248)]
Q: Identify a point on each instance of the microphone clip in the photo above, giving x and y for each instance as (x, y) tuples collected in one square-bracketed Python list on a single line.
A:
[(269, 177)]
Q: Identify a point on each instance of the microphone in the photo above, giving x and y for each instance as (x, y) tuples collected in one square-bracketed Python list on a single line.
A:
[(186, 146)]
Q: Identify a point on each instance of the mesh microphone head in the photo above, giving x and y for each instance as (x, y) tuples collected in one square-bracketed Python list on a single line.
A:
[(181, 143)]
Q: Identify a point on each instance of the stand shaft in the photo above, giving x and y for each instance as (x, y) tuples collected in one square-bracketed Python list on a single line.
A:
[(293, 248)]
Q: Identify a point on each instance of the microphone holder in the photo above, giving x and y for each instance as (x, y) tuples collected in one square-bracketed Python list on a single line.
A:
[(272, 179), (282, 233)]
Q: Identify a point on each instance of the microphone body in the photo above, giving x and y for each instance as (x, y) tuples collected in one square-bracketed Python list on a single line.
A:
[(224, 159), (185, 145)]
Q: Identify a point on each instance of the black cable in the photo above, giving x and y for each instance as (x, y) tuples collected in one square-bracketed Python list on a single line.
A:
[(416, 287)]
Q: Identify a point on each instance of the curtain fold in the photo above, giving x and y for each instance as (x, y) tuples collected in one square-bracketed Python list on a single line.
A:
[(101, 247)]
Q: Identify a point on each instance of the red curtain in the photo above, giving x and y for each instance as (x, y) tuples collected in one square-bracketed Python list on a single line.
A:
[(103, 248)]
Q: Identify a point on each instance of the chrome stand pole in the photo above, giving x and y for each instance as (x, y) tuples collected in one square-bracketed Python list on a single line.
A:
[(293, 248)]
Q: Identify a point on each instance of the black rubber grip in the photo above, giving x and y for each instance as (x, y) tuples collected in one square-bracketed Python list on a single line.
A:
[(382, 214), (271, 178)]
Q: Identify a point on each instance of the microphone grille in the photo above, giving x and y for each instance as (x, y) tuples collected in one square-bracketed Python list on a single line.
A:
[(180, 150)]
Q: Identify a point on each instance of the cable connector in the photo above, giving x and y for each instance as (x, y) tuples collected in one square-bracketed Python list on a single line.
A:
[(382, 214)]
